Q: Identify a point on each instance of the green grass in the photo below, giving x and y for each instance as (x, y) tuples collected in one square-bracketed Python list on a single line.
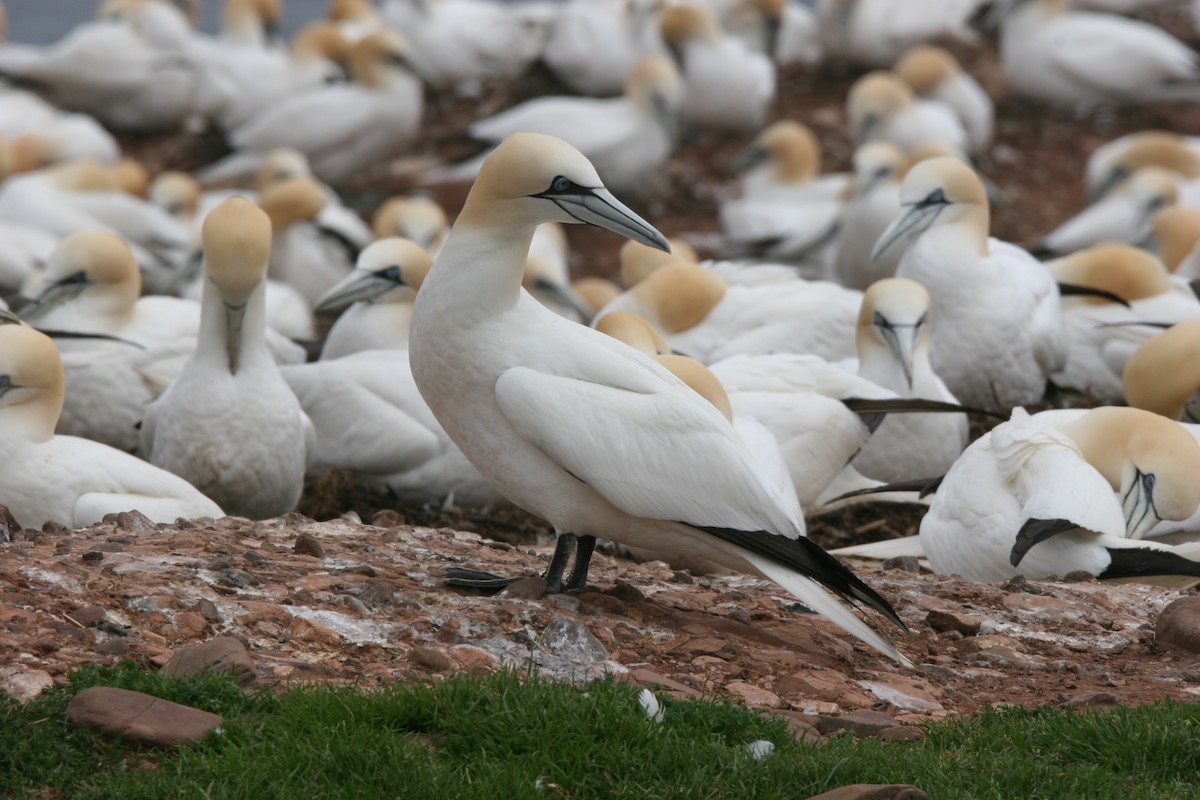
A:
[(504, 736)]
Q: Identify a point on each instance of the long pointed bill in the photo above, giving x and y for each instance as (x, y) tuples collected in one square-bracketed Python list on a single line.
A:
[(187, 273), (598, 207), (1138, 505), (54, 295), (234, 317), (666, 118), (901, 340), (358, 285), (906, 225), (749, 158)]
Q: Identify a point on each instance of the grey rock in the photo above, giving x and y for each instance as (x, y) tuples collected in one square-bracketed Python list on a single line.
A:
[(225, 655), (139, 717), (1179, 624), (860, 723), (570, 640), (309, 545), (966, 624)]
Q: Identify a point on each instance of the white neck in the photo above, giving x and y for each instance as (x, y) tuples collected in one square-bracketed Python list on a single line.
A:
[(211, 348)]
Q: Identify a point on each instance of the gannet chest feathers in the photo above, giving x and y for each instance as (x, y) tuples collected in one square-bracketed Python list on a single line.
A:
[(62, 478), (560, 417), (229, 423)]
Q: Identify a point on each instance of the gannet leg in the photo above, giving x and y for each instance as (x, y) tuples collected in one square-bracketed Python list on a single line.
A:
[(583, 559), (478, 579), (558, 562)]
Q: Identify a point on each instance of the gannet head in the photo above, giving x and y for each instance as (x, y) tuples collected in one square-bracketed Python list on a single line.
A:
[(387, 271), (684, 23), (177, 193), (84, 175), (237, 247), (639, 260), (251, 22), (893, 322), (678, 296), (937, 190), (875, 98), (1163, 374), (96, 262), (420, 219), (321, 40), (532, 178), (1126, 271), (282, 164), (633, 331), (131, 177), (595, 293), (291, 201), (351, 11), (381, 59), (656, 86), (925, 66), (1176, 232), (791, 148), (31, 377), (770, 12), (1168, 151), (1150, 461), (875, 162)]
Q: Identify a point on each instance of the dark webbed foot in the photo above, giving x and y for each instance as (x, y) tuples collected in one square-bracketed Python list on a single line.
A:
[(583, 559), (567, 542), (477, 579)]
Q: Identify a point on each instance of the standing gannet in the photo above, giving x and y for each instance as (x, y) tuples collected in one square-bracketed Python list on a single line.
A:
[(1175, 237), (879, 168), (875, 33), (1163, 375), (933, 73), (379, 292), (709, 318), (1057, 492), (882, 107), (568, 423), (628, 138), (728, 85), (1081, 59), (1123, 215), (1101, 334), (593, 45), (342, 128), (66, 479), (419, 219), (229, 424), (893, 352), (1000, 329)]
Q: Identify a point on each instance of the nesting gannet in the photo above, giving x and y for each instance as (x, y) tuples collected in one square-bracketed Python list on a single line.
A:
[(878, 170), (458, 44), (1112, 164), (535, 402), (342, 128), (40, 139), (1163, 374), (893, 352), (593, 45), (1083, 59), (637, 260), (876, 32), (379, 293), (1175, 236), (229, 424), (628, 138), (1124, 215), (418, 219), (708, 318), (316, 242), (1044, 496), (1000, 329), (66, 479), (728, 86), (882, 107), (935, 74), (1099, 336)]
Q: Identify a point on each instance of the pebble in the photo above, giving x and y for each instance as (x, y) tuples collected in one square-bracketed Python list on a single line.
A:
[(873, 791), (860, 723), (570, 640), (225, 655), (1179, 624), (943, 620), (139, 717), (431, 658), (309, 545), (23, 684), (753, 696)]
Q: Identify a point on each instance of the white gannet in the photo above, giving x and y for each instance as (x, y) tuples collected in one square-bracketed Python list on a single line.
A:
[(1082, 59), (66, 479), (1175, 237), (1123, 215), (1112, 164), (708, 318), (251, 23), (1100, 336), (879, 168), (628, 137), (593, 45), (785, 31), (728, 85), (637, 260), (1000, 328), (876, 32), (536, 402), (893, 352), (60, 137), (342, 128), (933, 73), (316, 241), (882, 107), (355, 19), (229, 424), (418, 219), (1163, 375), (1050, 494), (379, 293)]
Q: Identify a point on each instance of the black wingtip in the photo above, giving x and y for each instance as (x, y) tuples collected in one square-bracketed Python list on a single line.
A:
[(1037, 530), (1075, 289), (912, 405), (1143, 562), (923, 486)]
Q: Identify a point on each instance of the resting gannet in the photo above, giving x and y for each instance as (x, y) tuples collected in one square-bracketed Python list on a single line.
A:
[(1163, 375), (882, 107), (936, 75), (879, 168)]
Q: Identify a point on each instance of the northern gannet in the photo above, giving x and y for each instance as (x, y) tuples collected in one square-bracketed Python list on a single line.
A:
[(1112, 164), (879, 168), (1175, 237), (1000, 329), (418, 219), (229, 424), (1163, 375), (1123, 215), (882, 107), (933, 73), (593, 45), (535, 401), (66, 479), (1057, 492), (877, 32)]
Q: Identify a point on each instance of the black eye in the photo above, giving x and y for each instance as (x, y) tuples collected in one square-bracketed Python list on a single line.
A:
[(391, 274), (1148, 482), (921, 321), (936, 197), (561, 184), (77, 277), (881, 320)]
